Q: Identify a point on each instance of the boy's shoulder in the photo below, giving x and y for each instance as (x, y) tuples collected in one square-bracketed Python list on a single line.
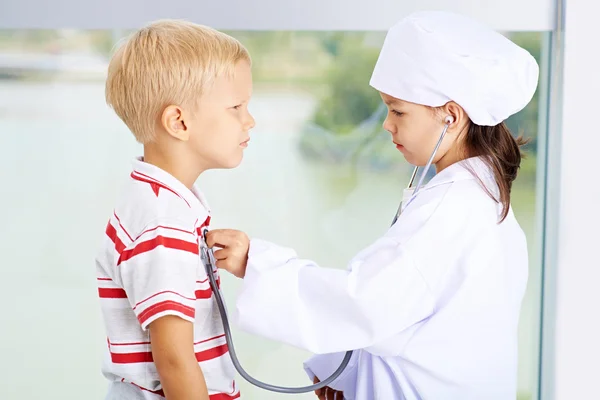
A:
[(152, 198), (144, 205)]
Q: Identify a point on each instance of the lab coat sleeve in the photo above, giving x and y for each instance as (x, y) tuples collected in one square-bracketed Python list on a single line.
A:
[(326, 310), (324, 365)]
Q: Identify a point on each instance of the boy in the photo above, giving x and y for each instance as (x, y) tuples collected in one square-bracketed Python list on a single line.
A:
[(183, 91)]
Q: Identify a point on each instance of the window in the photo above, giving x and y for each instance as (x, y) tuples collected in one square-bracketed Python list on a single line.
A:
[(320, 175)]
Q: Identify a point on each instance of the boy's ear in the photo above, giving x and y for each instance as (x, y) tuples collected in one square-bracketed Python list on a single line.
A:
[(173, 123)]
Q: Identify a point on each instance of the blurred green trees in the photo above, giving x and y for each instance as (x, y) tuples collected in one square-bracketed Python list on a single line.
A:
[(350, 100)]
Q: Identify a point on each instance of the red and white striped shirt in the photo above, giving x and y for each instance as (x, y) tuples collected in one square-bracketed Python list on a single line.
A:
[(148, 267)]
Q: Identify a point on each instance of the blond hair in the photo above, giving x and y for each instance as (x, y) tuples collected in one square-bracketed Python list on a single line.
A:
[(168, 62)]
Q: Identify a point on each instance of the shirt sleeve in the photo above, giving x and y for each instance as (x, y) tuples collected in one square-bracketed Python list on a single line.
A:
[(158, 272)]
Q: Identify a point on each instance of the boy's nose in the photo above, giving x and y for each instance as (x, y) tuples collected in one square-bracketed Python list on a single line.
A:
[(251, 123)]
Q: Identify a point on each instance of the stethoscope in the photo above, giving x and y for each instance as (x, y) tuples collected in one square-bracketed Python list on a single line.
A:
[(209, 261)]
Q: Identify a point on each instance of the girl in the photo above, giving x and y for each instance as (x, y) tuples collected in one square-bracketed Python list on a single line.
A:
[(431, 308)]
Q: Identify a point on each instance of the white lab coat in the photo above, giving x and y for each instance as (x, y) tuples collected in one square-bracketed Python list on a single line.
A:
[(432, 306)]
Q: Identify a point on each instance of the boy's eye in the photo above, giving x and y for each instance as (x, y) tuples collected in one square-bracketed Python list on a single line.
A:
[(237, 107), (398, 113)]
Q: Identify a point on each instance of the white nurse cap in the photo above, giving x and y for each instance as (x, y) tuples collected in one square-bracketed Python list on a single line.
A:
[(433, 57)]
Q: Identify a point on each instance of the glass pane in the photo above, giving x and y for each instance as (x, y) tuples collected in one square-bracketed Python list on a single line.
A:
[(320, 176), (524, 200)]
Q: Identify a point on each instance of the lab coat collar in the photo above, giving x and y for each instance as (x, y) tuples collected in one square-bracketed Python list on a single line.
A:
[(470, 168)]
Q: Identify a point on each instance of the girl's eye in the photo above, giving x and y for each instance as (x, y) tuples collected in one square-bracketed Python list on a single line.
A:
[(398, 113)]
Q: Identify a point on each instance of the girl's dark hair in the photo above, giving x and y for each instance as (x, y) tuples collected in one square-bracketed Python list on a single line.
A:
[(501, 151)]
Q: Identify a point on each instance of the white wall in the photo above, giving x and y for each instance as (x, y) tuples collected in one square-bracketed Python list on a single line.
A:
[(507, 15), (572, 349)]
